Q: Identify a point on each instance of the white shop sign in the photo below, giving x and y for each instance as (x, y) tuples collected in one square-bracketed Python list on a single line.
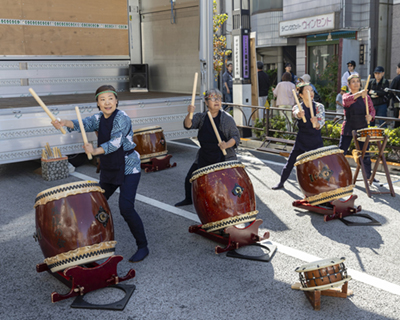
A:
[(308, 25)]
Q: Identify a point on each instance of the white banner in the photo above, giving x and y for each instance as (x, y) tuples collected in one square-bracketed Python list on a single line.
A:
[(308, 25)]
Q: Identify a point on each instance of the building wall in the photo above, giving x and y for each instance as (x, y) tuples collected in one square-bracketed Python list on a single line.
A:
[(395, 59), (294, 9)]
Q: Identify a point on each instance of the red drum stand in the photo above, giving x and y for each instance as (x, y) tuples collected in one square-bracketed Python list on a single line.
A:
[(234, 238), (158, 163), (93, 276)]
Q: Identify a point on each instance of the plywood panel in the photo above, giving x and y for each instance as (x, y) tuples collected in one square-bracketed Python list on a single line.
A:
[(99, 11), (50, 40), (11, 9), (75, 41)]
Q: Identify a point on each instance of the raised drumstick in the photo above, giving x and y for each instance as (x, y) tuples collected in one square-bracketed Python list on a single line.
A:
[(85, 140), (311, 108), (215, 130), (41, 103), (193, 94), (298, 104), (366, 98)]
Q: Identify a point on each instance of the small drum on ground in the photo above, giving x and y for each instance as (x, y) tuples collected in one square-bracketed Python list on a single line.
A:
[(375, 134), (323, 274), (150, 143), (223, 195), (324, 175), (74, 225)]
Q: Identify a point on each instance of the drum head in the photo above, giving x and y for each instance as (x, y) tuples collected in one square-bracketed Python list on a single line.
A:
[(319, 264), (216, 167), (65, 190), (316, 154), (147, 130)]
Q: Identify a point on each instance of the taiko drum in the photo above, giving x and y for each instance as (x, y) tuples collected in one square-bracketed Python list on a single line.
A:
[(150, 143), (74, 225), (223, 195), (324, 175), (323, 274)]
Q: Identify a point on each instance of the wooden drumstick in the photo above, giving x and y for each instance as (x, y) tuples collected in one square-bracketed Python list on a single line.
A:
[(41, 103), (366, 98), (311, 108), (85, 140), (298, 104), (216, 131), (193, 94)]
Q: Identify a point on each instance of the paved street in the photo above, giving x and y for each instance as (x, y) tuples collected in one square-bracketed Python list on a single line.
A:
[(183, 278)]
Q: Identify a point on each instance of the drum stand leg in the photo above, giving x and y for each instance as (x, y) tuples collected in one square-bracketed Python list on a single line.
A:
[(234, 238), (314, 297), (83, 280), (157, 164), (380, 158)]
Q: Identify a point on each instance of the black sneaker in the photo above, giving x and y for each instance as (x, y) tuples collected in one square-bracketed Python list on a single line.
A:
[(278, 186), (184, 202)]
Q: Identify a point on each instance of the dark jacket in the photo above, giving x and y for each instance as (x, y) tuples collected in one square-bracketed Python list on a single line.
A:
[(263, 84), (383, 97), (395, 85)]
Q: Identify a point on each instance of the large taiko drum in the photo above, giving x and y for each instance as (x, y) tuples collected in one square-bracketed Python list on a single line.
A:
[(150, 143), (74, 225), (323, 274), (223, 195), (324, 175)]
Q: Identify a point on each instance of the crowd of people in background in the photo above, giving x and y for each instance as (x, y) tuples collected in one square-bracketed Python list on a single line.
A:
[(379, 89)]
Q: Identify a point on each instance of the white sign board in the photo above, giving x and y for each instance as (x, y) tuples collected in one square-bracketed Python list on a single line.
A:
[(237, 57), (308, 25)]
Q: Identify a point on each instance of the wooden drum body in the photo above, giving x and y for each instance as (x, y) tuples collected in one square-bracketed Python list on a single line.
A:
[(223, 195), (323, 274), (324, 175), (150, 143), (375, 134), (74, 225)]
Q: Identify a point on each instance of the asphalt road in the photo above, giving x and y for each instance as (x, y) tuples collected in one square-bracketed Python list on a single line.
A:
[(183, 278)]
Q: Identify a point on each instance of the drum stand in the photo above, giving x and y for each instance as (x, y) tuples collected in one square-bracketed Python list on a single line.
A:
[(82, 280), (234, 238), (158, 163), (314, 297), (360, 154), (336, 209)]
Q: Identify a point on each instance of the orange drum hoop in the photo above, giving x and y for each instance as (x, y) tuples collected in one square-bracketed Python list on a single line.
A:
[(74, 225), (323, 274), (223, 195), (150, 143), (375, 134)]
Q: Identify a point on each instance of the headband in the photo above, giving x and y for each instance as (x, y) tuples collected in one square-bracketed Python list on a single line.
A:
[(303, 84), (106, 92)]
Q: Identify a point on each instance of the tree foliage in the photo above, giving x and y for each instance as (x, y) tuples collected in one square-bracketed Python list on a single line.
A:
[(219, 42)]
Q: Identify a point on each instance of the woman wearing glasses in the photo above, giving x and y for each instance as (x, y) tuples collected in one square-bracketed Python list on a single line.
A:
[(210, 151)]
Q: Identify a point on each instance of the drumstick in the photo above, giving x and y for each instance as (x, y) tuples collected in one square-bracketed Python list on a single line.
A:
[(41, 103), (85, 141), (311, 108), (216, 131), (193, 94), (366, 98), (299, 105)]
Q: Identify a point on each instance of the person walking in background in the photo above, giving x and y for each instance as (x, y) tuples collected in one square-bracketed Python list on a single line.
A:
[(288, 69), (284, 96), (227, 83), (351, 65), (395, 96), (339, 102), (263, 84), (380, 98)]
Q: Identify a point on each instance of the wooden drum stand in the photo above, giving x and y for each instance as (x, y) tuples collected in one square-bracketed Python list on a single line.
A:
[(359, 155)]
